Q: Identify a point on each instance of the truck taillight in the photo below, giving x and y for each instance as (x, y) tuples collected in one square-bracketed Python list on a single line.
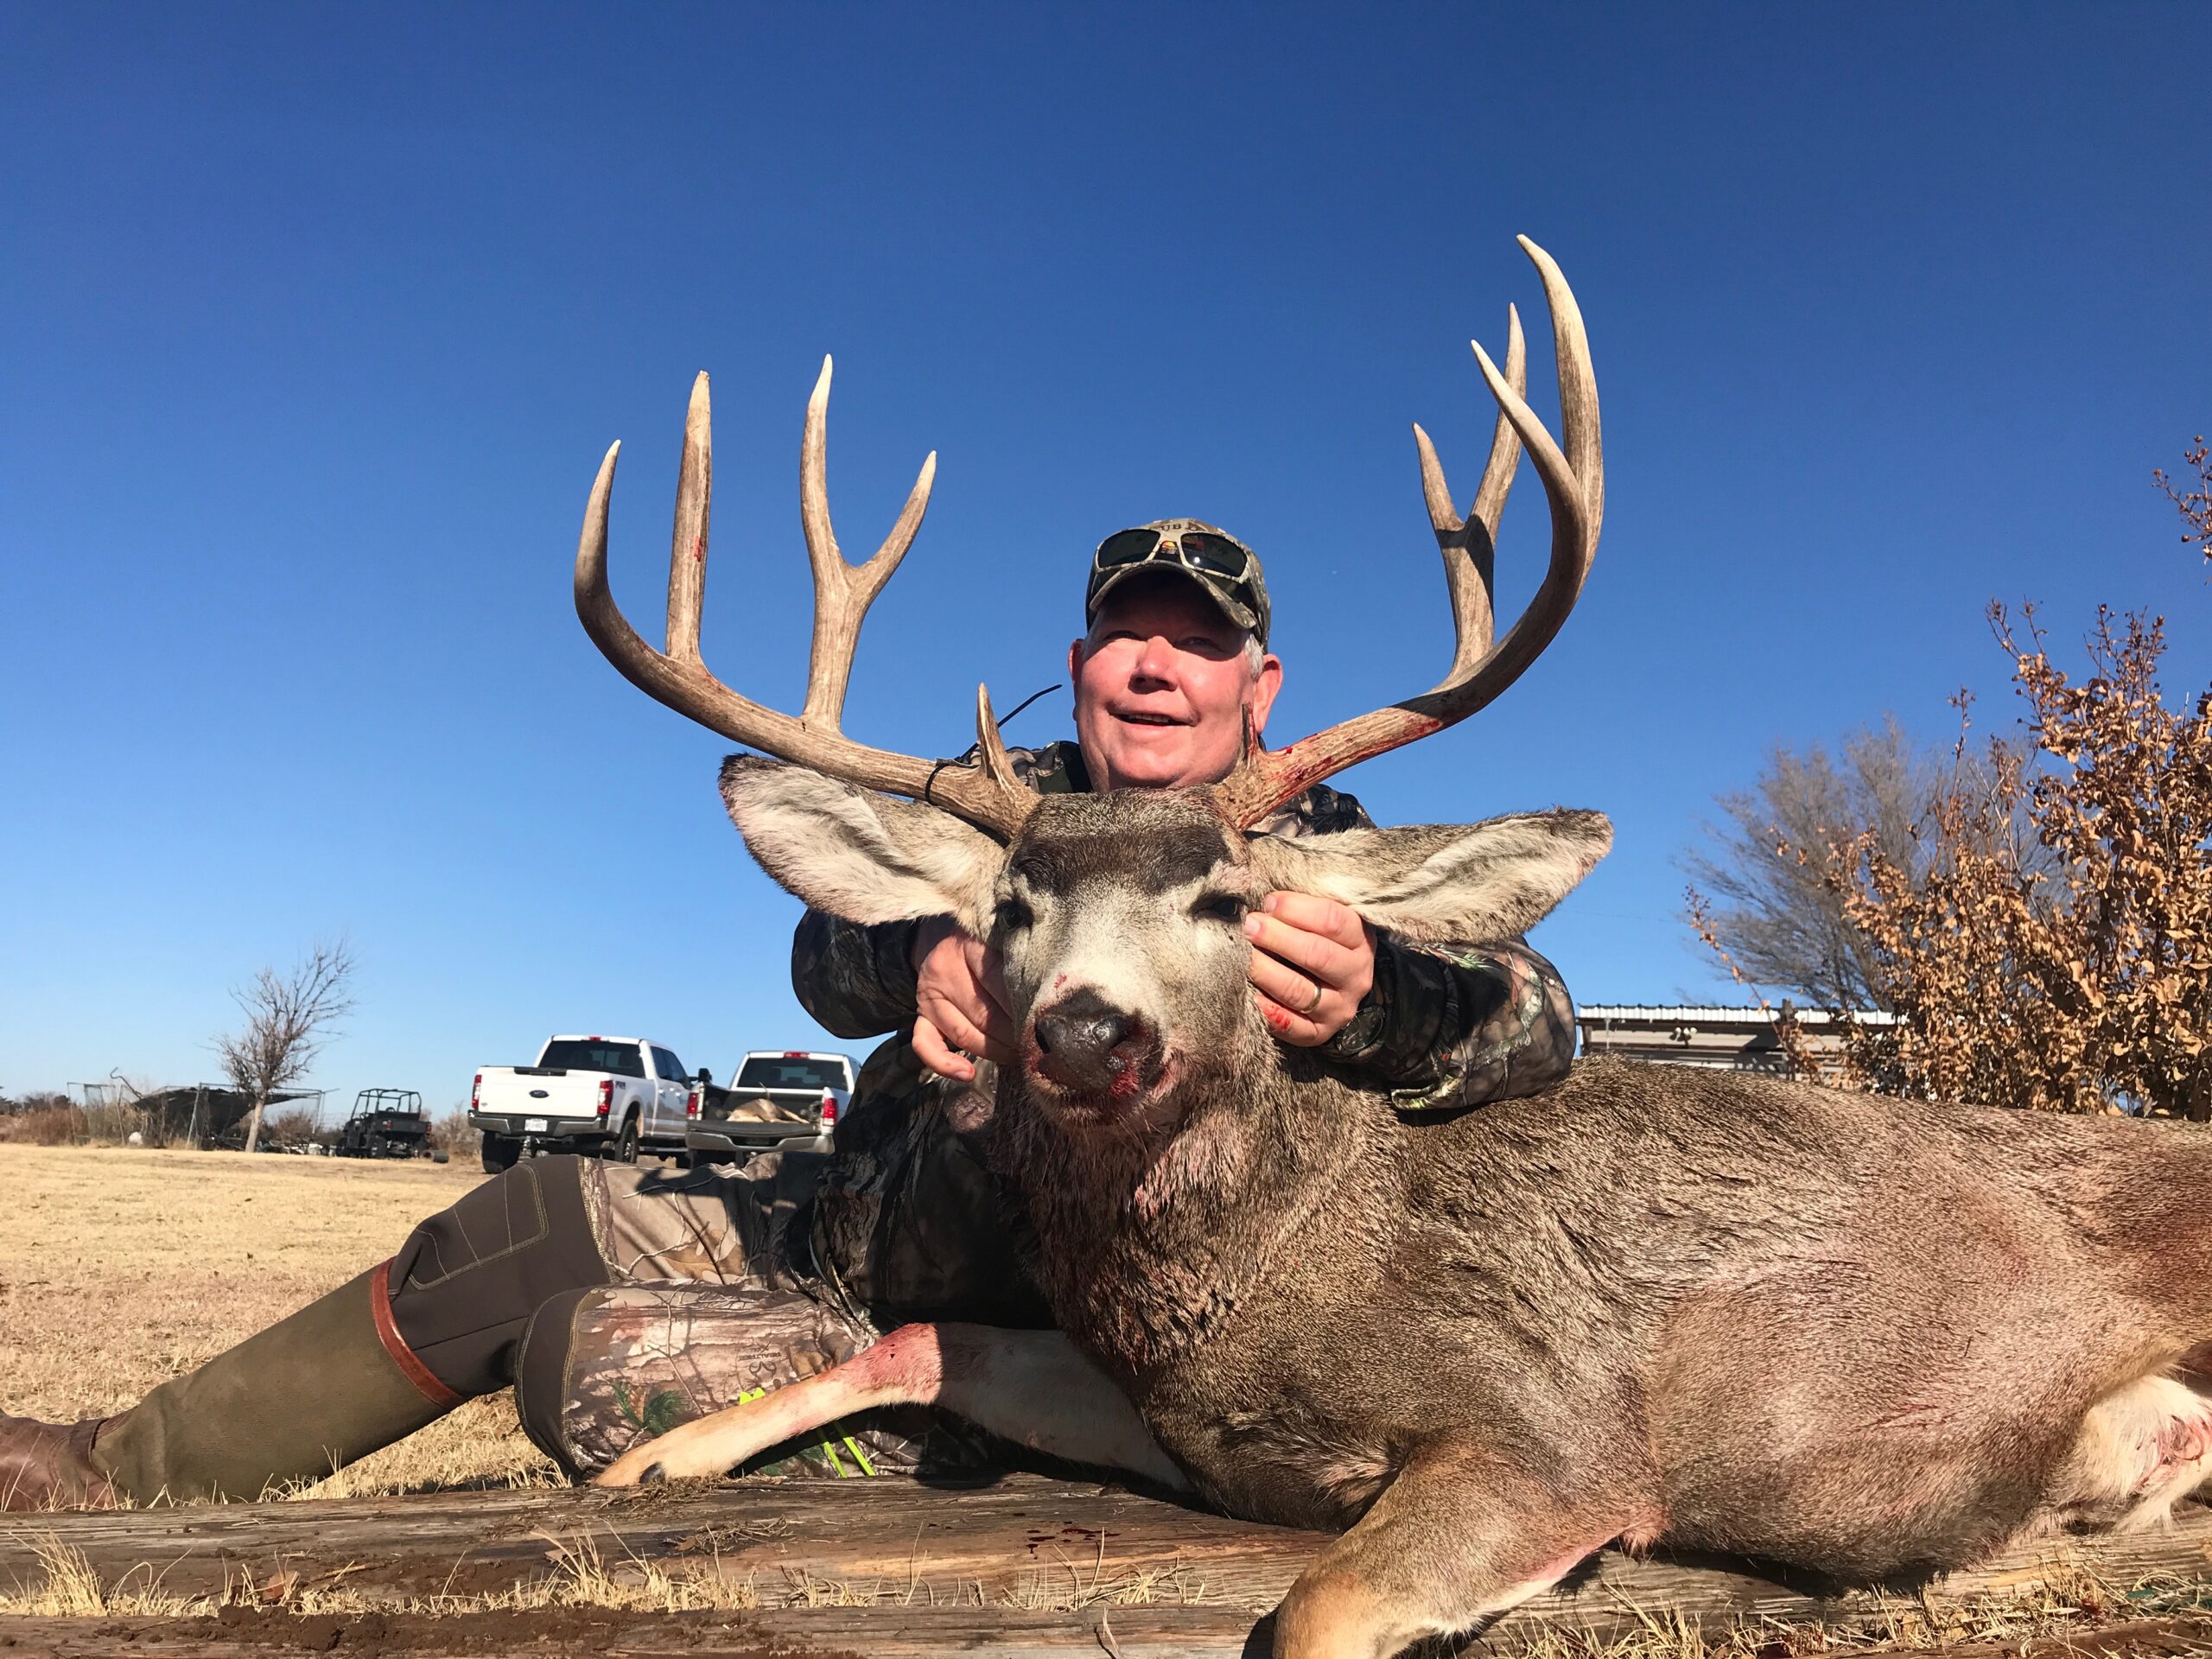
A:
[(829, 1110), (606, 1095), (474, 1089), (691, 1103)]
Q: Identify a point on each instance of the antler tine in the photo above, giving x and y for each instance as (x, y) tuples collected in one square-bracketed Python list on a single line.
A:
[(1504, 442), (1574, 486), (1577, 393), (842, 591), (1469, 545), (687, 550), (990, 747), (987, 796)]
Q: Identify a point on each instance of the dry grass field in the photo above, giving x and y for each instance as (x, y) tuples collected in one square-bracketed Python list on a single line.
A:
[(120, 1268)]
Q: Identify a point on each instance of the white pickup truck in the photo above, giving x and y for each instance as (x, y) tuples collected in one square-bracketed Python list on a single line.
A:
[(781, 1099), (612, 1096)]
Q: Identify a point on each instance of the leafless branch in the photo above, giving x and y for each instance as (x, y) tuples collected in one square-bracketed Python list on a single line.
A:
[(2194, 505)]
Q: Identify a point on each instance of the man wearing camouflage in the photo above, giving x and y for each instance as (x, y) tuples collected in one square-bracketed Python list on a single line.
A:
[(619, 1301)]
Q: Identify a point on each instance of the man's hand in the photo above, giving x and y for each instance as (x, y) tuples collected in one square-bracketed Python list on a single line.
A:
[(958, 1003), (1312, 960)]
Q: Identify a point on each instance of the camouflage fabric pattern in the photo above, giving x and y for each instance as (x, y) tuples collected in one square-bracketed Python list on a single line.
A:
[(909, 1224), (1243, 599), (713, 1224), (642, 1358), (1463, 1025)]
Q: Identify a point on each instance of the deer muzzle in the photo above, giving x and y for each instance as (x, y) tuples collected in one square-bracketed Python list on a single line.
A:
[(1094, 1050)]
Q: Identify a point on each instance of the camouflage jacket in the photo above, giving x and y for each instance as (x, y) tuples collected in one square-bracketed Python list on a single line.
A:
[(908, 1224)]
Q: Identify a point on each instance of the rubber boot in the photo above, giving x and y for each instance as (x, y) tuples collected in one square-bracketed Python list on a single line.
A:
[(306, 1397)]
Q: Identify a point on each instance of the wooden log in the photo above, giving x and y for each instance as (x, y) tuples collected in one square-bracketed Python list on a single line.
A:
[(915, 1549), (827, 1632), (590, 1633), (1019, 1536)]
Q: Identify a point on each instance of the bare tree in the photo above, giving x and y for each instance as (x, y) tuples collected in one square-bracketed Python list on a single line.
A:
[(1770, 910), (288, 1019)]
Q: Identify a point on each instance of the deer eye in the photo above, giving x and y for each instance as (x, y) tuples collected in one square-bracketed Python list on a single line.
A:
[(1221, 907), (1013, 915)]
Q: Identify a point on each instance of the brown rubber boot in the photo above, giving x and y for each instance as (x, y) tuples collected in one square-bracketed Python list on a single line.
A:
[(371, 1362), (49, 1465), (312, 1393)]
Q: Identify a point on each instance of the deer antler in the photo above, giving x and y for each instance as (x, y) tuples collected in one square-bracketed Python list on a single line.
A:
[(985, 794), (1469, 545), (1574, 483)]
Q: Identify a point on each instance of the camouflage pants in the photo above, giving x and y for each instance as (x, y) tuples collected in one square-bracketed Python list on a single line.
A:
[(713, 1223), (714, 1301)]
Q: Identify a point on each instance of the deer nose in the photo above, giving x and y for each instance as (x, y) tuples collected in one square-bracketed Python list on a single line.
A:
[(1087, 1044)]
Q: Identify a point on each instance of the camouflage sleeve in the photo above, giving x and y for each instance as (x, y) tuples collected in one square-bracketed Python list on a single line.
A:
[(1456, 1026), (854, 981)]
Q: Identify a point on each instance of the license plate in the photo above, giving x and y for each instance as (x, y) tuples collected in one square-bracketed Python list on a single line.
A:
[(533, 1126)]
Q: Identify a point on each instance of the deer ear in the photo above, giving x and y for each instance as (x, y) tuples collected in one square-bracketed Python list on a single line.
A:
[(1471, 884), (858, 854)]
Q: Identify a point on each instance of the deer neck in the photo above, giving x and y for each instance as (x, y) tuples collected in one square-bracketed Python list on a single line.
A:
[(1151, 1241)]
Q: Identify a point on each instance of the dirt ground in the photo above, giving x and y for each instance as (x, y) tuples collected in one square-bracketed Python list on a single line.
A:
[(120, 1268)]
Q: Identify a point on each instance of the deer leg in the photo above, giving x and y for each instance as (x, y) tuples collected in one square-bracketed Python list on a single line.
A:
[(1457, 1539), (1034, 1388)]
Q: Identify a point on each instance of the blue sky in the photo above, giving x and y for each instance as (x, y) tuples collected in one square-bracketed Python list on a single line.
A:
[(315, 321)]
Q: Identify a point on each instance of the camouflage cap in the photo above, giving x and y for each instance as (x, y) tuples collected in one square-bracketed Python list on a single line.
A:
[(1242, 596)]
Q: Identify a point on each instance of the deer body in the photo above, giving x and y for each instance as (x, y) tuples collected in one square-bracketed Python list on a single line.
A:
[(1732, 1313)]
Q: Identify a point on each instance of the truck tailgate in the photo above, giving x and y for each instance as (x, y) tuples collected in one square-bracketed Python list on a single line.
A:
[(527, 1091)]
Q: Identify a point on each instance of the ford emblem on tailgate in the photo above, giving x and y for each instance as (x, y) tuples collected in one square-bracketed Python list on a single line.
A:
[(537, 1094)]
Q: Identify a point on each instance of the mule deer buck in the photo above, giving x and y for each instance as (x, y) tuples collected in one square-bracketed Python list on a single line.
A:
[(1709, 1310)]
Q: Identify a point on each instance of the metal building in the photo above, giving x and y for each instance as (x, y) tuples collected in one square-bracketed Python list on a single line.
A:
[(1727, 1039)]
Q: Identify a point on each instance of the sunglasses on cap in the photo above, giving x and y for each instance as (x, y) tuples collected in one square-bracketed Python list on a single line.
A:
[(1208, 554), (1205, 551)]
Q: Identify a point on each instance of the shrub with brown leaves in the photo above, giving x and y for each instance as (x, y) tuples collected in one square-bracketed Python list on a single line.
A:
[(2050, 943), (2082, 984), (292, 1130)]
